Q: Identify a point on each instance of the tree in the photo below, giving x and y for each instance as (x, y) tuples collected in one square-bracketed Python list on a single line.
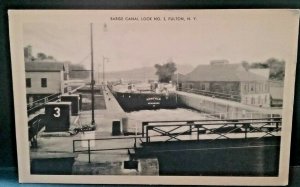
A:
[(261, 65), (165, 71), (246, 65), (277, 69), (41, 56), (50, 57)]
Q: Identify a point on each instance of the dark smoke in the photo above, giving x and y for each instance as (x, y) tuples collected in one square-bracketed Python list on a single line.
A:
[(165, 71)]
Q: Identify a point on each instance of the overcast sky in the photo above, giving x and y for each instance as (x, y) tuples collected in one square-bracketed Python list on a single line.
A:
[(235, 36)]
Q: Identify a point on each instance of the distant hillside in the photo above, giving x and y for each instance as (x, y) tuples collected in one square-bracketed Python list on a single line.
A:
[(144, 73)]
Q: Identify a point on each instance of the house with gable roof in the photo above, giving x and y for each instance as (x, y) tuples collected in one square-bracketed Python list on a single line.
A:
[(43, 79), (227, 81)]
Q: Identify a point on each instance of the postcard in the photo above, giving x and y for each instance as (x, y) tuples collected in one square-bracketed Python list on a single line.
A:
[(168, 97)]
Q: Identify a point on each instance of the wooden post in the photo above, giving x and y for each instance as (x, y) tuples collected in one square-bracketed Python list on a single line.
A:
[(246, 130), (147, 140)]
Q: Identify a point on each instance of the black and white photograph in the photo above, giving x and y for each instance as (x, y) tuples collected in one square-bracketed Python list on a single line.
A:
[(154, 96)]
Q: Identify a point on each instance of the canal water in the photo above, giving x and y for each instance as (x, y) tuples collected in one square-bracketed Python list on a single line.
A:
[(135, 118), (167, 115)]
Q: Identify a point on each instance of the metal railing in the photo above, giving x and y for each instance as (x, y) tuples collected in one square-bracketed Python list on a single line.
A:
[(89, 149), (40, 103), (174, 130), (171, 130), (231, 97), (34, 127)]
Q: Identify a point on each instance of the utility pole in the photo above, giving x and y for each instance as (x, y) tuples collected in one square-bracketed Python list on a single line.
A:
[(92, 78), (99, 74), (103, 61), (104, 58), (103, 66), (177, 87)]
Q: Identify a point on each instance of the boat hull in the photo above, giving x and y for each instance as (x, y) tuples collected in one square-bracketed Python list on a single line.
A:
[(146, 101)]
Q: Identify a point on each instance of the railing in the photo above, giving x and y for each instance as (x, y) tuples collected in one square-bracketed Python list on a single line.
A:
[(38, 104), (34, 126), (127, 145), (239, 115), (231, 97), (174, 130)]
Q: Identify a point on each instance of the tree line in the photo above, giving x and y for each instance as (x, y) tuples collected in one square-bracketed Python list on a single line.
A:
[(276, 66), (76, 71)]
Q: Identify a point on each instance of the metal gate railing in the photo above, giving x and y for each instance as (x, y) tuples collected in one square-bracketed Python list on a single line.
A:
[(172, 130)]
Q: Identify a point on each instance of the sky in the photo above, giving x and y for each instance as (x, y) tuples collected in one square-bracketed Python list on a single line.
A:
[(236, 36)]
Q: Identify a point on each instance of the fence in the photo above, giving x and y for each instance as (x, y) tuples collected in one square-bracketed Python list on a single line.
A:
[(107, 144), (231, 97), (34, 126), (174, 130), (40, 103)]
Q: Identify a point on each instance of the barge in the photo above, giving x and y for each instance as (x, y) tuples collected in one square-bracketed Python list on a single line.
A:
[(145, 96)]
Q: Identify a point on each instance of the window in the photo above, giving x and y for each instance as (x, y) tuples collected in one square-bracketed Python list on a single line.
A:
[(261, 88), (266, 87), (203, 87), (246, 87), (232, 88), (44, 82), (252, 100), (28, 82)]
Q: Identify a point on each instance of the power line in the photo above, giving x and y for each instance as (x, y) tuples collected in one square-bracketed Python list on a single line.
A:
[(82, 60)]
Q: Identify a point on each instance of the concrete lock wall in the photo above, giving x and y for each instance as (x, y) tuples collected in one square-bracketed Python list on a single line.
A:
[(223, 108)]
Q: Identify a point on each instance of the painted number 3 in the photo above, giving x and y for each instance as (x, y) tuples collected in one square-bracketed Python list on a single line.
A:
[(57, 112)]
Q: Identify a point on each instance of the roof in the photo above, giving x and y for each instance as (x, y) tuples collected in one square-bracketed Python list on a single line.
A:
[(222, 72), (260, 71), (44, 66)]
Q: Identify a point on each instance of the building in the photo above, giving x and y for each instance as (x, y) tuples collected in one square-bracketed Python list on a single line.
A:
[(28, 53), (275, 86), (265, 72), (227, 81), (43, 79), (276, 91)]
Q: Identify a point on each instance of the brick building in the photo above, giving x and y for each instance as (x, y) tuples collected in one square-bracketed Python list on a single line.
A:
[(228, 81)]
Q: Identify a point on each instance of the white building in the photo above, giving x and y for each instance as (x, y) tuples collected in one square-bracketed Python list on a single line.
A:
[(43, 79)]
